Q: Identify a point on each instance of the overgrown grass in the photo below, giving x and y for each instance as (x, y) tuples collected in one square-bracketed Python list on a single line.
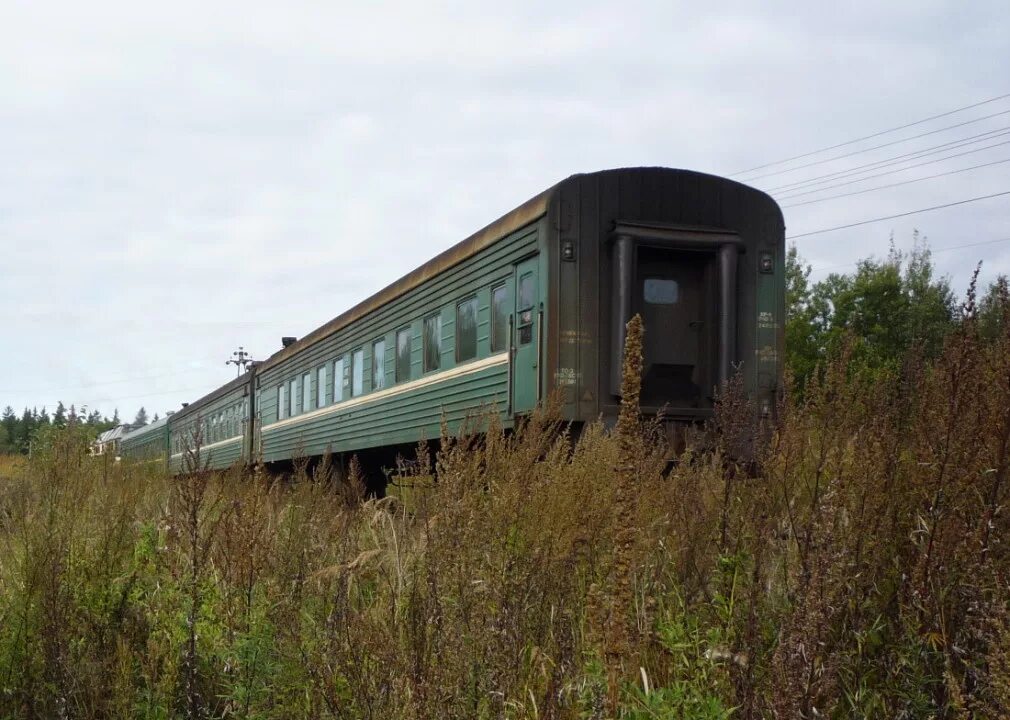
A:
[(860, 570)]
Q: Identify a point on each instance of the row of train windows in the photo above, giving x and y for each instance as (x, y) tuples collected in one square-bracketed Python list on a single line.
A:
[(221, 425), (291, 402)]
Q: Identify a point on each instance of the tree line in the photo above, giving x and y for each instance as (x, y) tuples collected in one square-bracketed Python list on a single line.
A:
[(886, 309), (17, 431)]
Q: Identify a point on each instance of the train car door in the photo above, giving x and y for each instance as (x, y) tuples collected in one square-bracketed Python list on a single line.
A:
[(676, 299), (526, 343)]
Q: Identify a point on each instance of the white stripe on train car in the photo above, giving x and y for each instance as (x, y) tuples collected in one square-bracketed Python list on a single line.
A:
[(213, 445), (459, 371)]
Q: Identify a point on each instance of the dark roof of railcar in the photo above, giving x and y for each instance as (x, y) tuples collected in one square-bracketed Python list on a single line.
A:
[(212, 395)]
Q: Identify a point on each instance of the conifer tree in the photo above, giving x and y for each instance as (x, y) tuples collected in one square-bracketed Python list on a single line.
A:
[(9, 423), (26, 428), (60, 416)]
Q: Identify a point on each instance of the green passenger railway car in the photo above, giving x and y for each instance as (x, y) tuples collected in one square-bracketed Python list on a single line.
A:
[(534, 303)]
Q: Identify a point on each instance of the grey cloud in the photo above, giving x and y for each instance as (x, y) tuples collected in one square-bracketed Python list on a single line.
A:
[(184, 179)]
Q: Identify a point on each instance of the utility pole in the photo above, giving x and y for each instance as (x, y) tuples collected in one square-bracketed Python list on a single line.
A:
[(240, 359)]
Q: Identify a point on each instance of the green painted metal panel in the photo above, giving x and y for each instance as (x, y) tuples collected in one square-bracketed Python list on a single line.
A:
[(398, 415), (148, 445), (417, 414), (221, 436), (527, 340)]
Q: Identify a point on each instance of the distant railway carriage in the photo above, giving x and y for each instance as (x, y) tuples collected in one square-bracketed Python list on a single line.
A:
[(148, 443), (536, 302)]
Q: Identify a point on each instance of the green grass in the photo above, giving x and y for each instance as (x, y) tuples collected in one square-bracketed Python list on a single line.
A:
[(859, 570)]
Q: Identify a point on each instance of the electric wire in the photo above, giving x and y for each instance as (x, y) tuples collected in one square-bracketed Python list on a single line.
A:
[(894, 160), (876, 147), (88, 386), (892, 185), (931, 250), (202, 389), (873, 135), (890, 172), (899, 215)]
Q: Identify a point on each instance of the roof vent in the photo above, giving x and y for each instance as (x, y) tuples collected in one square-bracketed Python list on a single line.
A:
[(185, 405), (288, 341)]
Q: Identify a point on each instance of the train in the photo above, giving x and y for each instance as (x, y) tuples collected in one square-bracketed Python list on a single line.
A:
[(534, 304)]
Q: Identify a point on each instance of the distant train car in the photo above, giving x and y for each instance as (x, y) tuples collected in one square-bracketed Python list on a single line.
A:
[(148, 443), (532, 304)]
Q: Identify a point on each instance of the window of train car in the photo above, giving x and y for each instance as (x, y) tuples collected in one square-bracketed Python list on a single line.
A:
[(403, 338), (466, 330), (357, 372), (338, 380), (282, 401), (379, 364), (432, 342), (306, 392), (525, 309), (293, 397), (661, 291), (321, 386), (499, 319)]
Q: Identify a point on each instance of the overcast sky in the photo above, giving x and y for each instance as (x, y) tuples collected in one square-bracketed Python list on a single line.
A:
[(179, 179)]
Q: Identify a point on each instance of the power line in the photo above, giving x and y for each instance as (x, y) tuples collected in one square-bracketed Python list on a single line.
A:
[(201, 389), (106, 383), (895, 160), (899, 215), (876, 147), (876, 134), (891, 185), (891, 172), (931, 250)]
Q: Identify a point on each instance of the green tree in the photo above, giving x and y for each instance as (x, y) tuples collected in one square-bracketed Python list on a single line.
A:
[(803, 336), (932, 304), (141, 417), (990, 308), (888, 306), (9, 423), (25, 431), (60, 416)]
